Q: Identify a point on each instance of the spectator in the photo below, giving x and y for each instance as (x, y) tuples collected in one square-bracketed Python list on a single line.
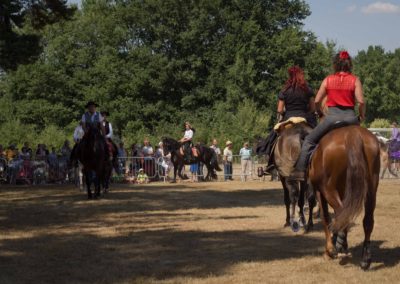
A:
[(245, 158), (148, 161), (66, 150), (11, 152), (27, 150), (216, 149), (193, 170), (41, 152), (135, 162), (52, 161), (227, 160), (25, 153), (165, 161), (395, 132), (2, 152), (142, 177), (122, 155)]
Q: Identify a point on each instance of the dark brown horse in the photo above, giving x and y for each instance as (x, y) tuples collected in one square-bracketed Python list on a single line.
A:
[(93, 155), (344, 173), (206, 156), (285, 153)]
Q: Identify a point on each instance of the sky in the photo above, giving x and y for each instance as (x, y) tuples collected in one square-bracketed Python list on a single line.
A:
[(353, 24)]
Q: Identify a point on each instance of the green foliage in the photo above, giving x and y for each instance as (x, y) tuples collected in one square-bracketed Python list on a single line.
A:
[(154, 64), (380, 123)]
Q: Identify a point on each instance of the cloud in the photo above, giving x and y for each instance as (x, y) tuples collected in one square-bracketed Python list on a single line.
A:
[(381, 8), (351, 9)]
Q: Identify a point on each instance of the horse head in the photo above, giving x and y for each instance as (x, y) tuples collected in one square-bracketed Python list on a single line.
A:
[(169, 145)]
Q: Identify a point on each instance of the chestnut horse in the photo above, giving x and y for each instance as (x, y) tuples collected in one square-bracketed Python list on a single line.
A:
[(344, 173)]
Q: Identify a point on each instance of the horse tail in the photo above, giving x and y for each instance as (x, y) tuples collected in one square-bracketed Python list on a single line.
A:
[(214, 161), (356, 187)]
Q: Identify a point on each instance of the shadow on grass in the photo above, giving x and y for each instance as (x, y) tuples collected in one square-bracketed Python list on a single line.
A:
[(33, 208)]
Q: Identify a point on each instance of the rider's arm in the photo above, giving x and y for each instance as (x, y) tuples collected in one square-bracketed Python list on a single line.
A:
[(110, 134), (320, 96), (281, 106), (84, 123), (311, 105), (360, 99)]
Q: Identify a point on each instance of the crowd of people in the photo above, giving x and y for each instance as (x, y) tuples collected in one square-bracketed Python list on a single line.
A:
[(29, 166)]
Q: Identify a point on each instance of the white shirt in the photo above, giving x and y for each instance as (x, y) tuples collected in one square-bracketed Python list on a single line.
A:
[(188, 134), (78, 133), (216, 149), (147, 150), (228, 154), (101, 119), (110, 134)]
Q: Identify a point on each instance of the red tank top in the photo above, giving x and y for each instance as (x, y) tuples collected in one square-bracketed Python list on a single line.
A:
[(340, 88)]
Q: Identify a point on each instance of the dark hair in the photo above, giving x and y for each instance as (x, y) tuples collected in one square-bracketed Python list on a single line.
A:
[(296, 79), (342, 62)]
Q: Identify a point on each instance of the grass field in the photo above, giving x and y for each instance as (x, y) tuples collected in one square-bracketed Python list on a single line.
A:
[(182, 233)]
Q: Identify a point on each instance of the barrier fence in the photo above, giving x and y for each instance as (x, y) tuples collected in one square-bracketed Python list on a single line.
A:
[(25, 171)]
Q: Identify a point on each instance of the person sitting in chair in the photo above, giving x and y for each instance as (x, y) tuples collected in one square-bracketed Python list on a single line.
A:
[(187, 142)]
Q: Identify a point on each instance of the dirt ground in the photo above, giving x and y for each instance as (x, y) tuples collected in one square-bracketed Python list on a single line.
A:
[(184, 233)]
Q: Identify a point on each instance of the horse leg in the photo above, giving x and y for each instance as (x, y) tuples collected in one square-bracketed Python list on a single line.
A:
[(88, 182), (293, 189), (287, 203), (368, 224), (325, 218), (311, 204), (300, 203)]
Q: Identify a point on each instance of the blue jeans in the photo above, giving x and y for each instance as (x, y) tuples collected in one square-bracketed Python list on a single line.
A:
[(227, 171)]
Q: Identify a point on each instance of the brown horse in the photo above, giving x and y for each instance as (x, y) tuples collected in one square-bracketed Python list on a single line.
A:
[(344, 173), (285, 154)]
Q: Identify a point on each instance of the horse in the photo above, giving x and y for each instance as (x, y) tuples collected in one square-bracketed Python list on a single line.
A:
[(285, 154), (344, 173), (92, 154), (206, 156)]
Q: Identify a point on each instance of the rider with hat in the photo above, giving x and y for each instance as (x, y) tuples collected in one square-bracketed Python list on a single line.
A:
[(342, 90), (92, 118)]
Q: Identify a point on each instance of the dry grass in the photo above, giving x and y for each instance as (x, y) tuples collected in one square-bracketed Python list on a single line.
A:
[(184, 233)]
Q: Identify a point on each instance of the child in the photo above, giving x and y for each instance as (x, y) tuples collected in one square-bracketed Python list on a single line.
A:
[(193, 171), (142, 177)]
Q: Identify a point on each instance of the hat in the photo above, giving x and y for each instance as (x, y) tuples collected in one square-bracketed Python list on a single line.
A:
[(91, 103), (228, 143), (161, 143), (140, 170), (106, 113)]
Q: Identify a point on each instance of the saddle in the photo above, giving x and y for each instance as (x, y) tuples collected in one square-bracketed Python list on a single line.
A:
[(193, 149), (279, 127)]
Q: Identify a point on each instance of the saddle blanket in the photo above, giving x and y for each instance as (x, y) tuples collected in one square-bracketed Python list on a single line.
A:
[(288, 123)]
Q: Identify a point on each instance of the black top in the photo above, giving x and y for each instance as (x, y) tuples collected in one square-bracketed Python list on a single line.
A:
[(296, 101)]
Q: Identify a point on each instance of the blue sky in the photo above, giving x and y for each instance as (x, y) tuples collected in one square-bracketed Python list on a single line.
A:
[(354, 24)]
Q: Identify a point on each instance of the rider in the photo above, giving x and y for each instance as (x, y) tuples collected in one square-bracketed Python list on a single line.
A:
[(92, 118), (342, 90), (187, 141), (295, 100), (112, 148)]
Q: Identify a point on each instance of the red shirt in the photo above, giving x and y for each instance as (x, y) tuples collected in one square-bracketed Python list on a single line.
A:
[(340, 89)]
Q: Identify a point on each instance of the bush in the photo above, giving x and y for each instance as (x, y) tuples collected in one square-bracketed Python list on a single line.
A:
[(380, 123)]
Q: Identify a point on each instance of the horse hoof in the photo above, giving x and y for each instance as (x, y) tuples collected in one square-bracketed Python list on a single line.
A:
[(295, 226), (365, 264), (173, 181), (287, 224)]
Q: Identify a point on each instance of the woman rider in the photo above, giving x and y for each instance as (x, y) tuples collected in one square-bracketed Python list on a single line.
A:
[(295, 100), (187, 141), (342, 90)]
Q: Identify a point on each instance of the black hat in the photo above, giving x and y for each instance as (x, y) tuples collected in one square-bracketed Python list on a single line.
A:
[(106, 113), (91, 103)]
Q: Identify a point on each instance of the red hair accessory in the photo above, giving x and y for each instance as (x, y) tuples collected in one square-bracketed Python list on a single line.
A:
[(344, 55)]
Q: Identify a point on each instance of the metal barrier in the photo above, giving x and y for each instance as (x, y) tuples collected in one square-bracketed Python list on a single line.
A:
[(3, 169), (39, 171), (238, 168), (129, 168)]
